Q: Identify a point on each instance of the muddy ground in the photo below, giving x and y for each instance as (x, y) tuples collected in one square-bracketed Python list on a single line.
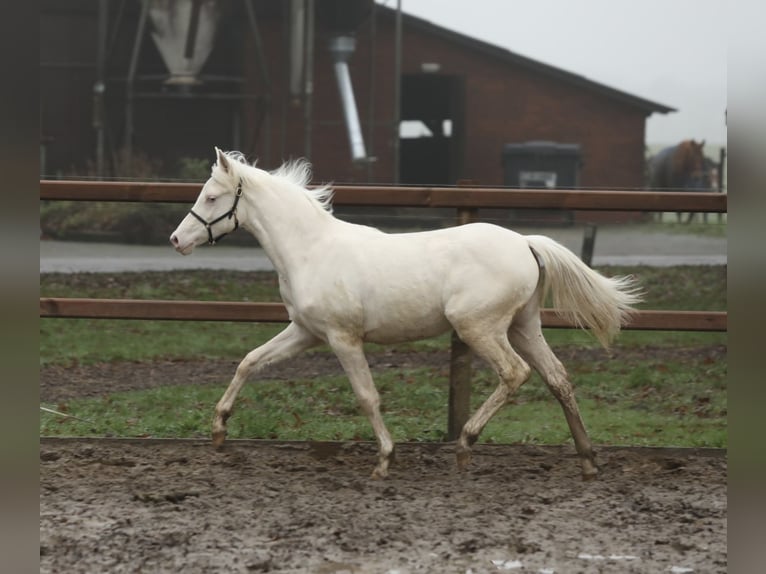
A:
[(257, 506), (179, 506)]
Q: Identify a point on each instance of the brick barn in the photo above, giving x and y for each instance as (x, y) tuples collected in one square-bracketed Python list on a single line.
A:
[(104, 88)]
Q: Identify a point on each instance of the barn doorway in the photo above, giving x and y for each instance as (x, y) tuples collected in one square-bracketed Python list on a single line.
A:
[(432, 129)]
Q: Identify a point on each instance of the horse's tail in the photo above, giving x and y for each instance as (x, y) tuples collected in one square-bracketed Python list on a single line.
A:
[(583, 295)]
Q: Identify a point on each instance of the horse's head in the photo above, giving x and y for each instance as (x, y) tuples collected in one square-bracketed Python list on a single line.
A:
[(214, 214), (694, 166)]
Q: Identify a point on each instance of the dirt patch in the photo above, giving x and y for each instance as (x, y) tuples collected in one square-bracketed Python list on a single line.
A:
[(259, 506), (58, 383), (61, 383), (180, 506)]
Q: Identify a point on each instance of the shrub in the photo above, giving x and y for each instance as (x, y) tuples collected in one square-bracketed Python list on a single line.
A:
[(122, 222)]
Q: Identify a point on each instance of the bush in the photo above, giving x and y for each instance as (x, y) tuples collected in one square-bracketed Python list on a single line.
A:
[(122, 222)]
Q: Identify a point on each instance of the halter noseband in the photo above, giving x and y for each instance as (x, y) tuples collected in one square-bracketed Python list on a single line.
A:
[(228, 215)]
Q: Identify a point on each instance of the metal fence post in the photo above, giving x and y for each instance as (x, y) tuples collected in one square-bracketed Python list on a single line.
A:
[(588, 244), (461, 358)]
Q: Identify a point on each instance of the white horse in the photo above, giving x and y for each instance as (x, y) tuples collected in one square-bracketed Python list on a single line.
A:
[(344, 284)]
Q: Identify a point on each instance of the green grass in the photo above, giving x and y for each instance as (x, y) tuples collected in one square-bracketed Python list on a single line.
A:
[(650, 404), (639, 400), (87, 341)]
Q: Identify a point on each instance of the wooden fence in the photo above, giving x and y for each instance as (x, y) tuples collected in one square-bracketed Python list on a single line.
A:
[(465, 200), (411, 196)]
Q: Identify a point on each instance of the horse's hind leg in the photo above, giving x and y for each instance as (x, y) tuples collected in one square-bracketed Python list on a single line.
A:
[(286, 344), (350, 353), (527, 338), (512, 371)]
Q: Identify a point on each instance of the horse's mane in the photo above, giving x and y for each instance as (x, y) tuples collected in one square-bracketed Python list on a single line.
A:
[(295, 172)]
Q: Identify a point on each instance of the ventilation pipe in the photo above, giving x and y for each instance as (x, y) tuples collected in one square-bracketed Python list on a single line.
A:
[(341, 49), (297, 49)]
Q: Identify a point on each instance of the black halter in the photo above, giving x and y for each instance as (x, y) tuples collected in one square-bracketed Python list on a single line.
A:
[(228, 215)]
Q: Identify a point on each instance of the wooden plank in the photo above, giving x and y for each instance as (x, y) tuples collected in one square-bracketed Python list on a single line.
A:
[(411, 196), (163, 310), (119, 191), (649, 320), (276, 312), (579, 199), (381, 196)]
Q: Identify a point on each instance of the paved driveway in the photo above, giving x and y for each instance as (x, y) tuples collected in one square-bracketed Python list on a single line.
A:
[(615, 245)]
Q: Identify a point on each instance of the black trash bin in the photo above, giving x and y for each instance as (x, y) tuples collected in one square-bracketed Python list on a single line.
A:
[(542, 165)]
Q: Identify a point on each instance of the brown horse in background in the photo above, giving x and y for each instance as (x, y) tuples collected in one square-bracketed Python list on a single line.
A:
[(682, 167)]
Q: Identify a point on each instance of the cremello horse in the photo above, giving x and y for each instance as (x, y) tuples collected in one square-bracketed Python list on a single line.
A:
[(344, 284)]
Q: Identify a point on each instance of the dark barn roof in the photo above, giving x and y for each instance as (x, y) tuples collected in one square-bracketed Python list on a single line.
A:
[(517, 59)]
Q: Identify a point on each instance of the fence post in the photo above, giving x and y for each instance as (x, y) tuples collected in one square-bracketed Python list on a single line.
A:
[(588, 244), (458, 409), (461, 358), (721, 176)]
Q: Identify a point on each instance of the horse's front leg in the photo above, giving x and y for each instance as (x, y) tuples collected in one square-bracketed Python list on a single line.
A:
[(293, 340), (350, 353)]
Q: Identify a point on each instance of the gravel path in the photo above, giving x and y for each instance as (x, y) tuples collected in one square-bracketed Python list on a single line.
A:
[(614, 245)]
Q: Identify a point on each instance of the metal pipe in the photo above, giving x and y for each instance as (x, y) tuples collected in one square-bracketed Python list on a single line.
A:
[(308, 78), (191, 33), (259, 55), (397, 87), (100, 87), (371, 101), (297, 51), (265, 89), (284, 102), (129, 83), (341, 48)]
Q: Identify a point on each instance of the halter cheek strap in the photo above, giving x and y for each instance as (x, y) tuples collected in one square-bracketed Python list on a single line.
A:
[(228, 215)]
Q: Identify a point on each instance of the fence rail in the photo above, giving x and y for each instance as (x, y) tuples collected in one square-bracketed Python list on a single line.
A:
[(397, 196), (465, 200), (172, 310)]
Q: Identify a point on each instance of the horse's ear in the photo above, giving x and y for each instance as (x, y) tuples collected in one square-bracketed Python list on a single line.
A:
[(223, 163)]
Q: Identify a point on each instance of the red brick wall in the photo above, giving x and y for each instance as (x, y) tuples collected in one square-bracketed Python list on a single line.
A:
[(505, 103)]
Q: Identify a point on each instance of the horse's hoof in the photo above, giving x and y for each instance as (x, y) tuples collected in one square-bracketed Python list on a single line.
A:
[(589, 476), (379, 474), (589, 469), (463, 458), (218, 438)]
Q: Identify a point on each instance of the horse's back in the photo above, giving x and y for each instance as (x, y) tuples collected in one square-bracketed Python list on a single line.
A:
[(448, 251), (661, 168), (402, 286)]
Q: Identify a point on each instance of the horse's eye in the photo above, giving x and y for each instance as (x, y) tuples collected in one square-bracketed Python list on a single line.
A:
[(210, 198)]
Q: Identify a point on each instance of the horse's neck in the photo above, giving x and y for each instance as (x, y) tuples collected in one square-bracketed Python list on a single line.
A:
[(285, 222)]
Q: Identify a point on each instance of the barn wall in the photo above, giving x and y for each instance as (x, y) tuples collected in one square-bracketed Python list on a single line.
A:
[(67, 73), (507, 103), (330, 150), (504, 103)]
